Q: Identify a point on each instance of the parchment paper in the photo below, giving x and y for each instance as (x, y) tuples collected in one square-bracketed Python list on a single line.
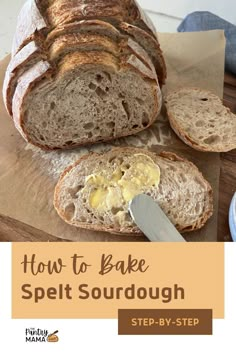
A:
[(28, 176)]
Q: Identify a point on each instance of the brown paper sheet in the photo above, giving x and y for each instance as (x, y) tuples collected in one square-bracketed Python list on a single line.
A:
[(28, 175)]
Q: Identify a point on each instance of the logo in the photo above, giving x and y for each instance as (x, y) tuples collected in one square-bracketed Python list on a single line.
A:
[(53, 338), (33, 335)]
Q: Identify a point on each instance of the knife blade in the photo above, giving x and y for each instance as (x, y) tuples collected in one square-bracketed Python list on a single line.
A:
[(152, 221)]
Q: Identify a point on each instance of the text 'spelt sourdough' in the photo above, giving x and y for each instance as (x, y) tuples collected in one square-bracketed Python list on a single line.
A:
[(83, 72)]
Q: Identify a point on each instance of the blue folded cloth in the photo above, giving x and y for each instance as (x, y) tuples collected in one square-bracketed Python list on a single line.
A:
[(205, 21)]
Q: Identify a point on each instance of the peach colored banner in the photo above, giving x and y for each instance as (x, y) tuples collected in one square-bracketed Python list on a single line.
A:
[(94, 280)]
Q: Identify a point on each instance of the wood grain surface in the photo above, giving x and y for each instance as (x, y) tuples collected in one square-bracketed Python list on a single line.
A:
[(14, 231)]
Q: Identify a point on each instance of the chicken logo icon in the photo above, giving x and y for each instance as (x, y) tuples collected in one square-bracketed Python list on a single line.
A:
[(53, 338)]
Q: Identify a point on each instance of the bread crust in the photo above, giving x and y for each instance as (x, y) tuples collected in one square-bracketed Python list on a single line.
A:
[(31, 23), (186, 138), (134, 231), (64, 11)]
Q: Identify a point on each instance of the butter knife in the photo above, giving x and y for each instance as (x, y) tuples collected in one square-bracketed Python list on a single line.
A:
[(152, 221)]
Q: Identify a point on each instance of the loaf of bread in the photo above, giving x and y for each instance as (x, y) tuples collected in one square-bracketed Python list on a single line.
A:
[(81, 73), (95, 192), (199, 118)]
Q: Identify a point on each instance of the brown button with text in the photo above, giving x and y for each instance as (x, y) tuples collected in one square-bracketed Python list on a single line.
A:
[(143, 322)]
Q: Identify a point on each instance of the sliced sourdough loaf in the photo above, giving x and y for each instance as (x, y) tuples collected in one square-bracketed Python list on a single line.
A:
[(199, 118), (93, 96), (72, 82), (94, 193)]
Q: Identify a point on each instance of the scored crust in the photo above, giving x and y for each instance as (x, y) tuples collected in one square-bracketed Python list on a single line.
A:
[(37, 18), (134, 230)]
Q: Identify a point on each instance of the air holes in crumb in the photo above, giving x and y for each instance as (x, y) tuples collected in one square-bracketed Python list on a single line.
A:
[(111, 125), (199, 123), (69, 143), (100, 93), (73, 191), (126, 109), (135, 126), (115, 211), (145, 120), (92, 86), (183, 177), (90, 135), (52, 105), (70, 211), (42, 138), (99, 78), (212, 139), (127, 166), (204, 99), (112, 159), (89, 126), (141, 102), (108, 76), (44, 124), (197, 208)]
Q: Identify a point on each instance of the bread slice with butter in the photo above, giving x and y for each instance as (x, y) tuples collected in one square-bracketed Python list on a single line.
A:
[(95, 192)]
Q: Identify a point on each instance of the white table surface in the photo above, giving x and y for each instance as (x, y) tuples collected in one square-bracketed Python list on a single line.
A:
[(9, 10)]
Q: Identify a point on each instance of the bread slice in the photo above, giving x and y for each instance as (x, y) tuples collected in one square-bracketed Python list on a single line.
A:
[(31, 25), (94, 193), (151, 46), (199, 118), (123, 31), (92, 96), (27, 57)]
